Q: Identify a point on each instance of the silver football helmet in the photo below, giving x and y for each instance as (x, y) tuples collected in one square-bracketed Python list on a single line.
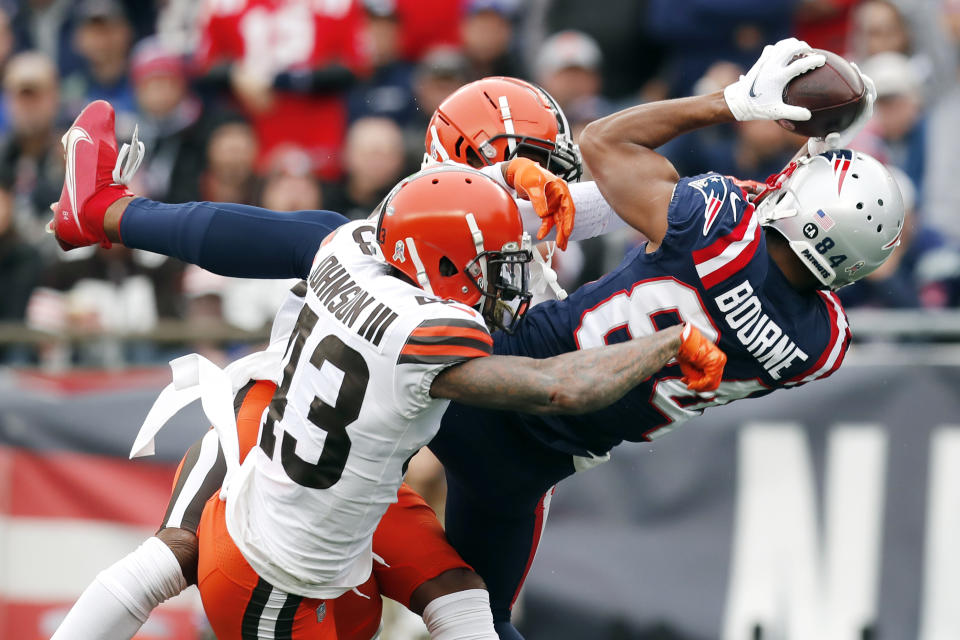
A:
[(841, 212)]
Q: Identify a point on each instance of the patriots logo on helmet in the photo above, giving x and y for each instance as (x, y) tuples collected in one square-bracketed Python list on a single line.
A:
[(398, 252), (713, 188), (841, 159)]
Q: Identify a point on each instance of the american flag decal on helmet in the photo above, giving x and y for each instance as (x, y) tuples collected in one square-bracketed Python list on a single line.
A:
[(826, 222)]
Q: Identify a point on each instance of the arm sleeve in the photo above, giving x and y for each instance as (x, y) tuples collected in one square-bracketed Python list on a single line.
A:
[(595, 217), (433, 346), (229, 239)]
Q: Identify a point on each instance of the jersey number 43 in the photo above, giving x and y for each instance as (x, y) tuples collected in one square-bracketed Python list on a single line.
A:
[(334, 419)]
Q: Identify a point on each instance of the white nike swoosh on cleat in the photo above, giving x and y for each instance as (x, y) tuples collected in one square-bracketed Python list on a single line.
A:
[(70, 141)]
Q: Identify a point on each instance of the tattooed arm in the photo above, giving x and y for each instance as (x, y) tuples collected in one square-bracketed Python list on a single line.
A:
[(579, 381)]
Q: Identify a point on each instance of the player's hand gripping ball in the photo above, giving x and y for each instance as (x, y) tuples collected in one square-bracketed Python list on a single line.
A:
[(835, 93), (700, 360)]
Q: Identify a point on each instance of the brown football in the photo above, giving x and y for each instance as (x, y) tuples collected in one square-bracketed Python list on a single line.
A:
[(834, 93)]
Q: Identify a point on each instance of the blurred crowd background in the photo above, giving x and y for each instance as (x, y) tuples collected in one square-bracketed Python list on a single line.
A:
[(305, 104)]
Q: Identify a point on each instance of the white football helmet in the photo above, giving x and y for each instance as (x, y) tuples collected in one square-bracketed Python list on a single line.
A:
[(841, 212)]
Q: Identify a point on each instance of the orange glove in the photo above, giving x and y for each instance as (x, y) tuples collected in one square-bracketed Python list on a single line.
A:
[(549, 195), (700, 360)]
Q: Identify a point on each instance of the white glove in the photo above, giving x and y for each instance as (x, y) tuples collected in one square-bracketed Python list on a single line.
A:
[(759, 94), (842, 139)]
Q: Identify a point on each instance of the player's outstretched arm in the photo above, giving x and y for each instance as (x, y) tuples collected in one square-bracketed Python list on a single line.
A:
[(619, 149), (581, 381), (637, 181)]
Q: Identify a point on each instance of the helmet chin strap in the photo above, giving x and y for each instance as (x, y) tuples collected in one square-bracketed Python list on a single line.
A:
[(478, 244), (774, 182), (418, 263), (773, 213)]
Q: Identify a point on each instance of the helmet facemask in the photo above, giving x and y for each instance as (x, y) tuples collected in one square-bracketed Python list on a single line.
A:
[(502, 278)]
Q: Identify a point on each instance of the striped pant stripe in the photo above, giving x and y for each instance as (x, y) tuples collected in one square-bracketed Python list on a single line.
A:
[(250, 628), (201, 475), (269, 614)]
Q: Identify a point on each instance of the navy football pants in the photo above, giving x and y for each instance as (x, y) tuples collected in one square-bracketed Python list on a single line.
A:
[(499, 479)]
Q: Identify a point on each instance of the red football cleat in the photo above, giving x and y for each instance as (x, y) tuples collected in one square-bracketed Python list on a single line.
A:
[(94, 179)]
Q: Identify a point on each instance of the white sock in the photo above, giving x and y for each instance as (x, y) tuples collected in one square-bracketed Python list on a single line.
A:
[(121, 597), (463, 615)]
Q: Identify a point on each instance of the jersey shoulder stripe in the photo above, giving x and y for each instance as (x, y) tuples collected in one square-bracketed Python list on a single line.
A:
[(446, 340), (300, 289), (833, 354), (728, 254)]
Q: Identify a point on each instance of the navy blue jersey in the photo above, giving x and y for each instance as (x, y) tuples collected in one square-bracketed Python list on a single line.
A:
[(713, 270)]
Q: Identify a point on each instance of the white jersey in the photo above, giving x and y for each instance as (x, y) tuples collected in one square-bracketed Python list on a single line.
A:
[(352, 407)]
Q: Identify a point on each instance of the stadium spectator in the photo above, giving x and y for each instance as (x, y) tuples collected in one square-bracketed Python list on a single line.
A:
[(618, 26), (174, 126), (231, 157), (373, 161), (951, 18), (568, 67), (487, 31), (20, 266), (46, 26), (251, 304), (425, 25), (6, 50), (170, 124), (105, 292), (440, 73), (31, 159), (102, 36), (289, 72), (878, 27), (388, 91), (290, 186), (697, 33), (941, 197), (899, 122), (824, 24), (915, 28)]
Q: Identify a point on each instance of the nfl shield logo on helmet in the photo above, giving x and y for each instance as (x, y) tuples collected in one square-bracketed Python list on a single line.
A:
[(841, 160), (398, 252)]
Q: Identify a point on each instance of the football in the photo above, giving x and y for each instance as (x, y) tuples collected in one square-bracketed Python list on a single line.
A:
[(834, 93)]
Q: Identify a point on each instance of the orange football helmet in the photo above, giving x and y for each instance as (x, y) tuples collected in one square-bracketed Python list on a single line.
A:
[(497, 118), (458, 235)]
